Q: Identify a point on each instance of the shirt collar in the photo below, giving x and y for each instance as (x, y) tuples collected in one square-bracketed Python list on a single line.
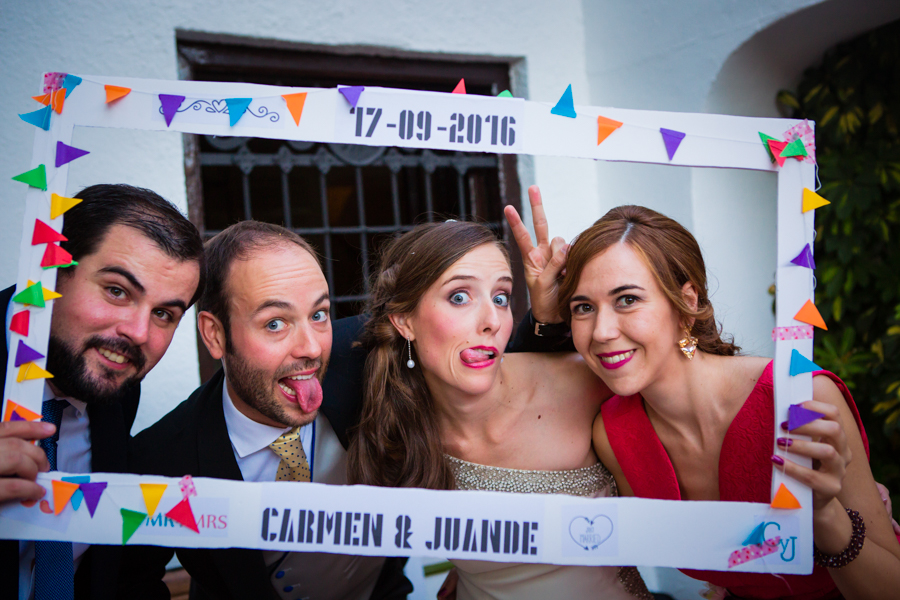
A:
[(247, 436), (79, 406)]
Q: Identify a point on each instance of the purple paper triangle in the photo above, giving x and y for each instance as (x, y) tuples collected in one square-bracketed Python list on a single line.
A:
[(15, 417), (92, 493), (672, 139), (26, 354), (799, 416), (170, 105), (351, 93), (805, 258), (66, 154)]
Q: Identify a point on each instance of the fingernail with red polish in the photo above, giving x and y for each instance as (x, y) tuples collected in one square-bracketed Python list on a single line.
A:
[(784, 425), (778, 460), (786, 442)]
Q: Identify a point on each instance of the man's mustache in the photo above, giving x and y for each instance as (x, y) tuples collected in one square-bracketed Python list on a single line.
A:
[(119, 346)]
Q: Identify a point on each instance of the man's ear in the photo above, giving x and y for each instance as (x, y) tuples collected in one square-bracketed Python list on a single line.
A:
[(212, 332), (403, 326), (690, 295)]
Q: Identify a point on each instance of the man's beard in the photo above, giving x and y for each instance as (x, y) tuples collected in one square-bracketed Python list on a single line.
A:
[(71, 377), (256, 387)]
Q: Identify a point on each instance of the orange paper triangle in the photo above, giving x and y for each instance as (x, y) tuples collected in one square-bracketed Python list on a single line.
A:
[(810, 314), (114, 92), (812, 200), (784, 499), (45, 99), (605, 127), (295, 104), (12, 407), (58, 99), (62, 493)]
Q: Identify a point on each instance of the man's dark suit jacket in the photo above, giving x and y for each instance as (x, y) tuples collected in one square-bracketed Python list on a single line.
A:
[(193, 439), (110, 429)]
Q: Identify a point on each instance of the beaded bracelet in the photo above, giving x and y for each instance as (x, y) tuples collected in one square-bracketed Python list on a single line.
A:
[(836, 561)]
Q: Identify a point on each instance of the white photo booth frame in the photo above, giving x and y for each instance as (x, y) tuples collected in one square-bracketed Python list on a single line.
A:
[(503, 527)]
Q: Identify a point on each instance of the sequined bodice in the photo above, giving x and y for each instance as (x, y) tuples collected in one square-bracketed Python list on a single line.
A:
[(587, 481)]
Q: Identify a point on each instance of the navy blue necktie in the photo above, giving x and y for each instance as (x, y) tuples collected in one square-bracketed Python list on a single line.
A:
[(54, 568)]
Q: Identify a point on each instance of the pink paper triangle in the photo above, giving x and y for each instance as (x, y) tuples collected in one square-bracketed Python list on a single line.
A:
[(92, 493), (170, 105), (26, 354), (182, 513), (66, 154), (351, 93), (19, 323), (805, 258), (776, 147), (672, 139)]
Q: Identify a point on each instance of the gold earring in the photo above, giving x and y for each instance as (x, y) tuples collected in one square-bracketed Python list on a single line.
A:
[(688, 343)]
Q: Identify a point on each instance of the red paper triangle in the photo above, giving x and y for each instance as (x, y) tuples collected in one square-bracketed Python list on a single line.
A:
[(54, 256), (182, 513), (460, 87), (776, 147), (44, 234), (19, 323)]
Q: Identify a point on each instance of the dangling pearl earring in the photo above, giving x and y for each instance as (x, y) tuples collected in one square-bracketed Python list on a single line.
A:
[(410, 363)]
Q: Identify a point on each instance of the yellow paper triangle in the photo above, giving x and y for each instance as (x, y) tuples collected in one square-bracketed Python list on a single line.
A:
[(60, 204), (785, 499), (30, 370), (62, 493), (153, 493), (812, 200), (605, 127), (48, 294), (810, 315)]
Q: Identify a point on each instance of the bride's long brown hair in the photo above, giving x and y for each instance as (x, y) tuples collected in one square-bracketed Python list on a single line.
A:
[(397, 442)]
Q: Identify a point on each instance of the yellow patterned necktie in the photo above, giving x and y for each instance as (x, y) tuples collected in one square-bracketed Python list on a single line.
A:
[(293, 465)]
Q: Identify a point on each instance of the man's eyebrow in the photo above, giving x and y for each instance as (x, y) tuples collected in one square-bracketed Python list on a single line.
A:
[(323, 298), (127, 275), (272, 304), (627, 286)]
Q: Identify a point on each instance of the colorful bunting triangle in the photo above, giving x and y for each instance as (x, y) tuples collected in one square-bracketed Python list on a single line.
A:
[(66, 154), (352, 93), (33, 295), (57, 99), (795, 149), (170, 105), (784, 499), (25, 354), (70, 82), (114, 92), (62, 493), (460, 87), (801, 364), (295, 104), (505, 94), (19, 322), (182, 513), (775, 148), (55, 257), (39, 118), (14, 409), (805, 258), (131, 520), (78, 496), (757, 536), (672, 139), (236, 108), (565, 107), (92, 492), (605, 127), (47, 294), (810, 315), (43, 99), (799, 416), (153, 493), (60, 204), (765, 141), (32, 371), (812, 200), (36, 177), (44, 234)]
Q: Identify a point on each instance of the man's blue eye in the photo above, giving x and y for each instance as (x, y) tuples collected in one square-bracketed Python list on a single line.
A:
[(320, 315)]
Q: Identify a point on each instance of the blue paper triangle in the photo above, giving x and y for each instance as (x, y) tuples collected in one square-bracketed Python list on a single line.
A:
[(801, 364), (70, 82), (78, 496), (351, 93), (566, 105), (39, 118), (757, 536), (236, 108)]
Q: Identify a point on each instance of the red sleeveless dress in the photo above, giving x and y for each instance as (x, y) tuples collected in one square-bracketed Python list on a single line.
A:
[(745, 475)]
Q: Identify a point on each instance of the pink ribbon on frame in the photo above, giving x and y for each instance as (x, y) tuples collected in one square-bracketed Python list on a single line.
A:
[(187, 487), (754, 551), (805, 132), (796, 332)]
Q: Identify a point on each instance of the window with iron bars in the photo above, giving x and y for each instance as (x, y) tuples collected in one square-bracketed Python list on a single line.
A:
[(346, 200)]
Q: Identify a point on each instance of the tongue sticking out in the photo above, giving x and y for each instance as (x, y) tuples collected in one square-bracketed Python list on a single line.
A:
[(309, 392), (470, 356)]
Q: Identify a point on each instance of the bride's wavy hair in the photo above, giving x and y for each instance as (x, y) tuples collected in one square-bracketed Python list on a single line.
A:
[(397, 442), (672, 255)]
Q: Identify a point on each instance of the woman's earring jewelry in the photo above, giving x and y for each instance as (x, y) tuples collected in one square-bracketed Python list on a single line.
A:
[(410, 363), (688, 343)]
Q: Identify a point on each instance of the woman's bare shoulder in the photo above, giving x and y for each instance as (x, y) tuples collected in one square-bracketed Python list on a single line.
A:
[(559, 375)]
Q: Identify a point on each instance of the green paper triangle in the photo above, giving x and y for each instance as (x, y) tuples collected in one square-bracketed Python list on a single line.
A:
[(765, 141), (36, 177), (33, 295), (505, 94), (74, 263), (795, 148), (131, 520)]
